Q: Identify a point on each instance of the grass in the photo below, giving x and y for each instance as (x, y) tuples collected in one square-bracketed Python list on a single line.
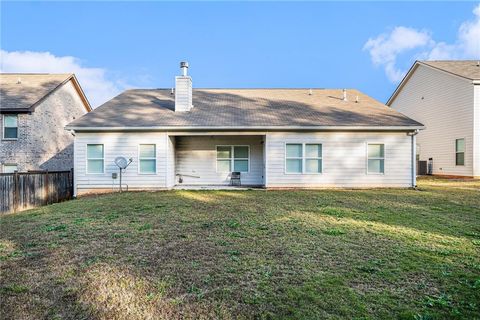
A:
[(356, 254)]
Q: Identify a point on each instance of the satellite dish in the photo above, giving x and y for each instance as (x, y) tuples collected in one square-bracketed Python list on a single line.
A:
[(121, 162)]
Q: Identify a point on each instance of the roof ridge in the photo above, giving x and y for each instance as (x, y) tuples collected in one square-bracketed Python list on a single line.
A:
[(451, 60)]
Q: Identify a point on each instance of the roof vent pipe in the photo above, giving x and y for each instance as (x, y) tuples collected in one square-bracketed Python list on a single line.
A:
[(183, 90), (184, 67), (345, 95), (356, 99)]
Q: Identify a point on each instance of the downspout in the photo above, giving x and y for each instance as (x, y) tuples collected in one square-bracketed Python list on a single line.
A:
[(74, 163), (414, 154), (167, 174)]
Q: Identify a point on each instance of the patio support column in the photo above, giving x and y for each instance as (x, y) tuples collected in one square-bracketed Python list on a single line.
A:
[(265, 160)]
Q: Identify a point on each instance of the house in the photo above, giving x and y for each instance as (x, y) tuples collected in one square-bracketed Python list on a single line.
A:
[(34, 109), (275, 138), (445, 97)]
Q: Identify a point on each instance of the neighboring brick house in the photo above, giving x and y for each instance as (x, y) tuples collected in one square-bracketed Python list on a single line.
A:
[(34, 110)]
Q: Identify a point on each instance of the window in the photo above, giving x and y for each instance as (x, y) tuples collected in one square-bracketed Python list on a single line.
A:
[(460, 152), (233, 158), (224, 159), (240, 159), (303, 158), (10, 168), (376, 158), (294, 158), (10, 126), (95, 158), (147, 158), (313, 158)]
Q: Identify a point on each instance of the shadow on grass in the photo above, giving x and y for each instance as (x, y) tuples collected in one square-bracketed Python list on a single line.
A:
[(285, 254)]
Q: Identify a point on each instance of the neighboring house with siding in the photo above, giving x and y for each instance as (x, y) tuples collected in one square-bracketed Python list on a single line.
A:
[(275, 138), (34, 109), (445, 97)]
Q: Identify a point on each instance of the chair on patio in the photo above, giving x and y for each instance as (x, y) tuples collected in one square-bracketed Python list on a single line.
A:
[(235, 179)]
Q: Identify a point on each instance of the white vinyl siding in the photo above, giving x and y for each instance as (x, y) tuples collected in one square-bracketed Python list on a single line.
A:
[(344, 159), (444, 103), (95, 159), (197, 159), (183, 93), (194, 158), (476, 132), (10, 127), (123, 144), (147, 158), (376, 158)]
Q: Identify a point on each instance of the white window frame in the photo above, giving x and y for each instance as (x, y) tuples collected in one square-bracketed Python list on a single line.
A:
[(303, 158), (456, 152), (9, 165), (87, 158), (4, 126), (377, 158), (232, 158), (139, 159)]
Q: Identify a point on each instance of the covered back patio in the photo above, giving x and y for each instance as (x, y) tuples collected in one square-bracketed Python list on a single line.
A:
[(210, 159)]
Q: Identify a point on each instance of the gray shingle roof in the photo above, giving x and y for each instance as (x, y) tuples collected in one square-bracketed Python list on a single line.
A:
[(243, 108), (21, 91), (464, 68)]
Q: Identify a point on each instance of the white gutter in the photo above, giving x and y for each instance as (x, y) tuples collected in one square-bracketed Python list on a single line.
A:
[(232, 128)]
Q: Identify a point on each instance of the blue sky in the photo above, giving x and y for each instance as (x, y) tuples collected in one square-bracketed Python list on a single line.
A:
[(117, 45)]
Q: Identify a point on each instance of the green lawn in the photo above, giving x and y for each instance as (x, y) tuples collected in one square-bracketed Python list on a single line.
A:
[(360, 254)]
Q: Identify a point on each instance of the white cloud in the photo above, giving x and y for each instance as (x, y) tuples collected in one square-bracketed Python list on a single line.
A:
[(93, 80), (386, 48), (469, 35)]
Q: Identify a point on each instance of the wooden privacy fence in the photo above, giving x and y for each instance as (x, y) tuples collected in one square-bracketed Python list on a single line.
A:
[(24, 190)]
